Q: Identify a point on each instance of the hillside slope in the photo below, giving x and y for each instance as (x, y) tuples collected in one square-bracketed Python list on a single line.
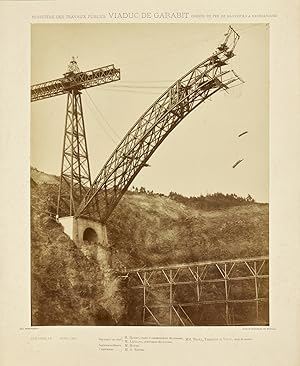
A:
[(144, 230), (66, 287), (156, 230)]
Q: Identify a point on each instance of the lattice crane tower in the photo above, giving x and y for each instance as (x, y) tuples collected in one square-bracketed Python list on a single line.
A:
[(75, 177)]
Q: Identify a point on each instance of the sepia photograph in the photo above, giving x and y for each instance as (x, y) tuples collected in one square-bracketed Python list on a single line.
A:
[(149, 174)]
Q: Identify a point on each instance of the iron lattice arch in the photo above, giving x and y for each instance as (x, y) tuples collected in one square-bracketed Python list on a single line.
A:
[(151, 129)]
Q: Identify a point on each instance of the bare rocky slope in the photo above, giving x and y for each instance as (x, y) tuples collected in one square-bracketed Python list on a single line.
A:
[(144, 230)]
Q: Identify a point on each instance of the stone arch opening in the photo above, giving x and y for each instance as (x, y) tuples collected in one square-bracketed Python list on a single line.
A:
[(90, 235)]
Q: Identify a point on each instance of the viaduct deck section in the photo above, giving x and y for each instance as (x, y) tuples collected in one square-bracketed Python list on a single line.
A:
[(228, 292)]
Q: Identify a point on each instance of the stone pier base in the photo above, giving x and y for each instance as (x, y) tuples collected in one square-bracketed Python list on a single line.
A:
[(90, 237)]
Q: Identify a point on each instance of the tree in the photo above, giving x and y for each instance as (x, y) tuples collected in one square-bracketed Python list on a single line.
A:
[(249, 198), (142, 190)]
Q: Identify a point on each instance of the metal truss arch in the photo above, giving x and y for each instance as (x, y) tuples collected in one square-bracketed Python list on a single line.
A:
[(159, 120)]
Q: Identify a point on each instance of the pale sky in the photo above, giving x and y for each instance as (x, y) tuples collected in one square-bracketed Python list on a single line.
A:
[(197, 157)]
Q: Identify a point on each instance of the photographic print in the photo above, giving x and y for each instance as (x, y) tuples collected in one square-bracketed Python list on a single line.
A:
[(149, 174)]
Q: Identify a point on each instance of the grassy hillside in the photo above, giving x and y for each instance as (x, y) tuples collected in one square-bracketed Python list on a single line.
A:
[(144, 230), (156, 230)]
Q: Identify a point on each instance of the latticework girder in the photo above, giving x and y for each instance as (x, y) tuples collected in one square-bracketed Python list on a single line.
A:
[(155, 125), (228, 292), (75, 81)]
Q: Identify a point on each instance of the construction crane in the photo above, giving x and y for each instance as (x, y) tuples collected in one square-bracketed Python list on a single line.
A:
[(151, 129), (75, 177)]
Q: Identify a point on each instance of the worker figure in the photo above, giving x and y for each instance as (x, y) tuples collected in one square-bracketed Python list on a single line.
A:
[(73, 67)]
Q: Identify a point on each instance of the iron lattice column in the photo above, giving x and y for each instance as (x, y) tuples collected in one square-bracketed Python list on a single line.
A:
[(75, 177)]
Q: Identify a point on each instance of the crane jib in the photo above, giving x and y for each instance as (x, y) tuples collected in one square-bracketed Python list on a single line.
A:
[(75, 81)]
